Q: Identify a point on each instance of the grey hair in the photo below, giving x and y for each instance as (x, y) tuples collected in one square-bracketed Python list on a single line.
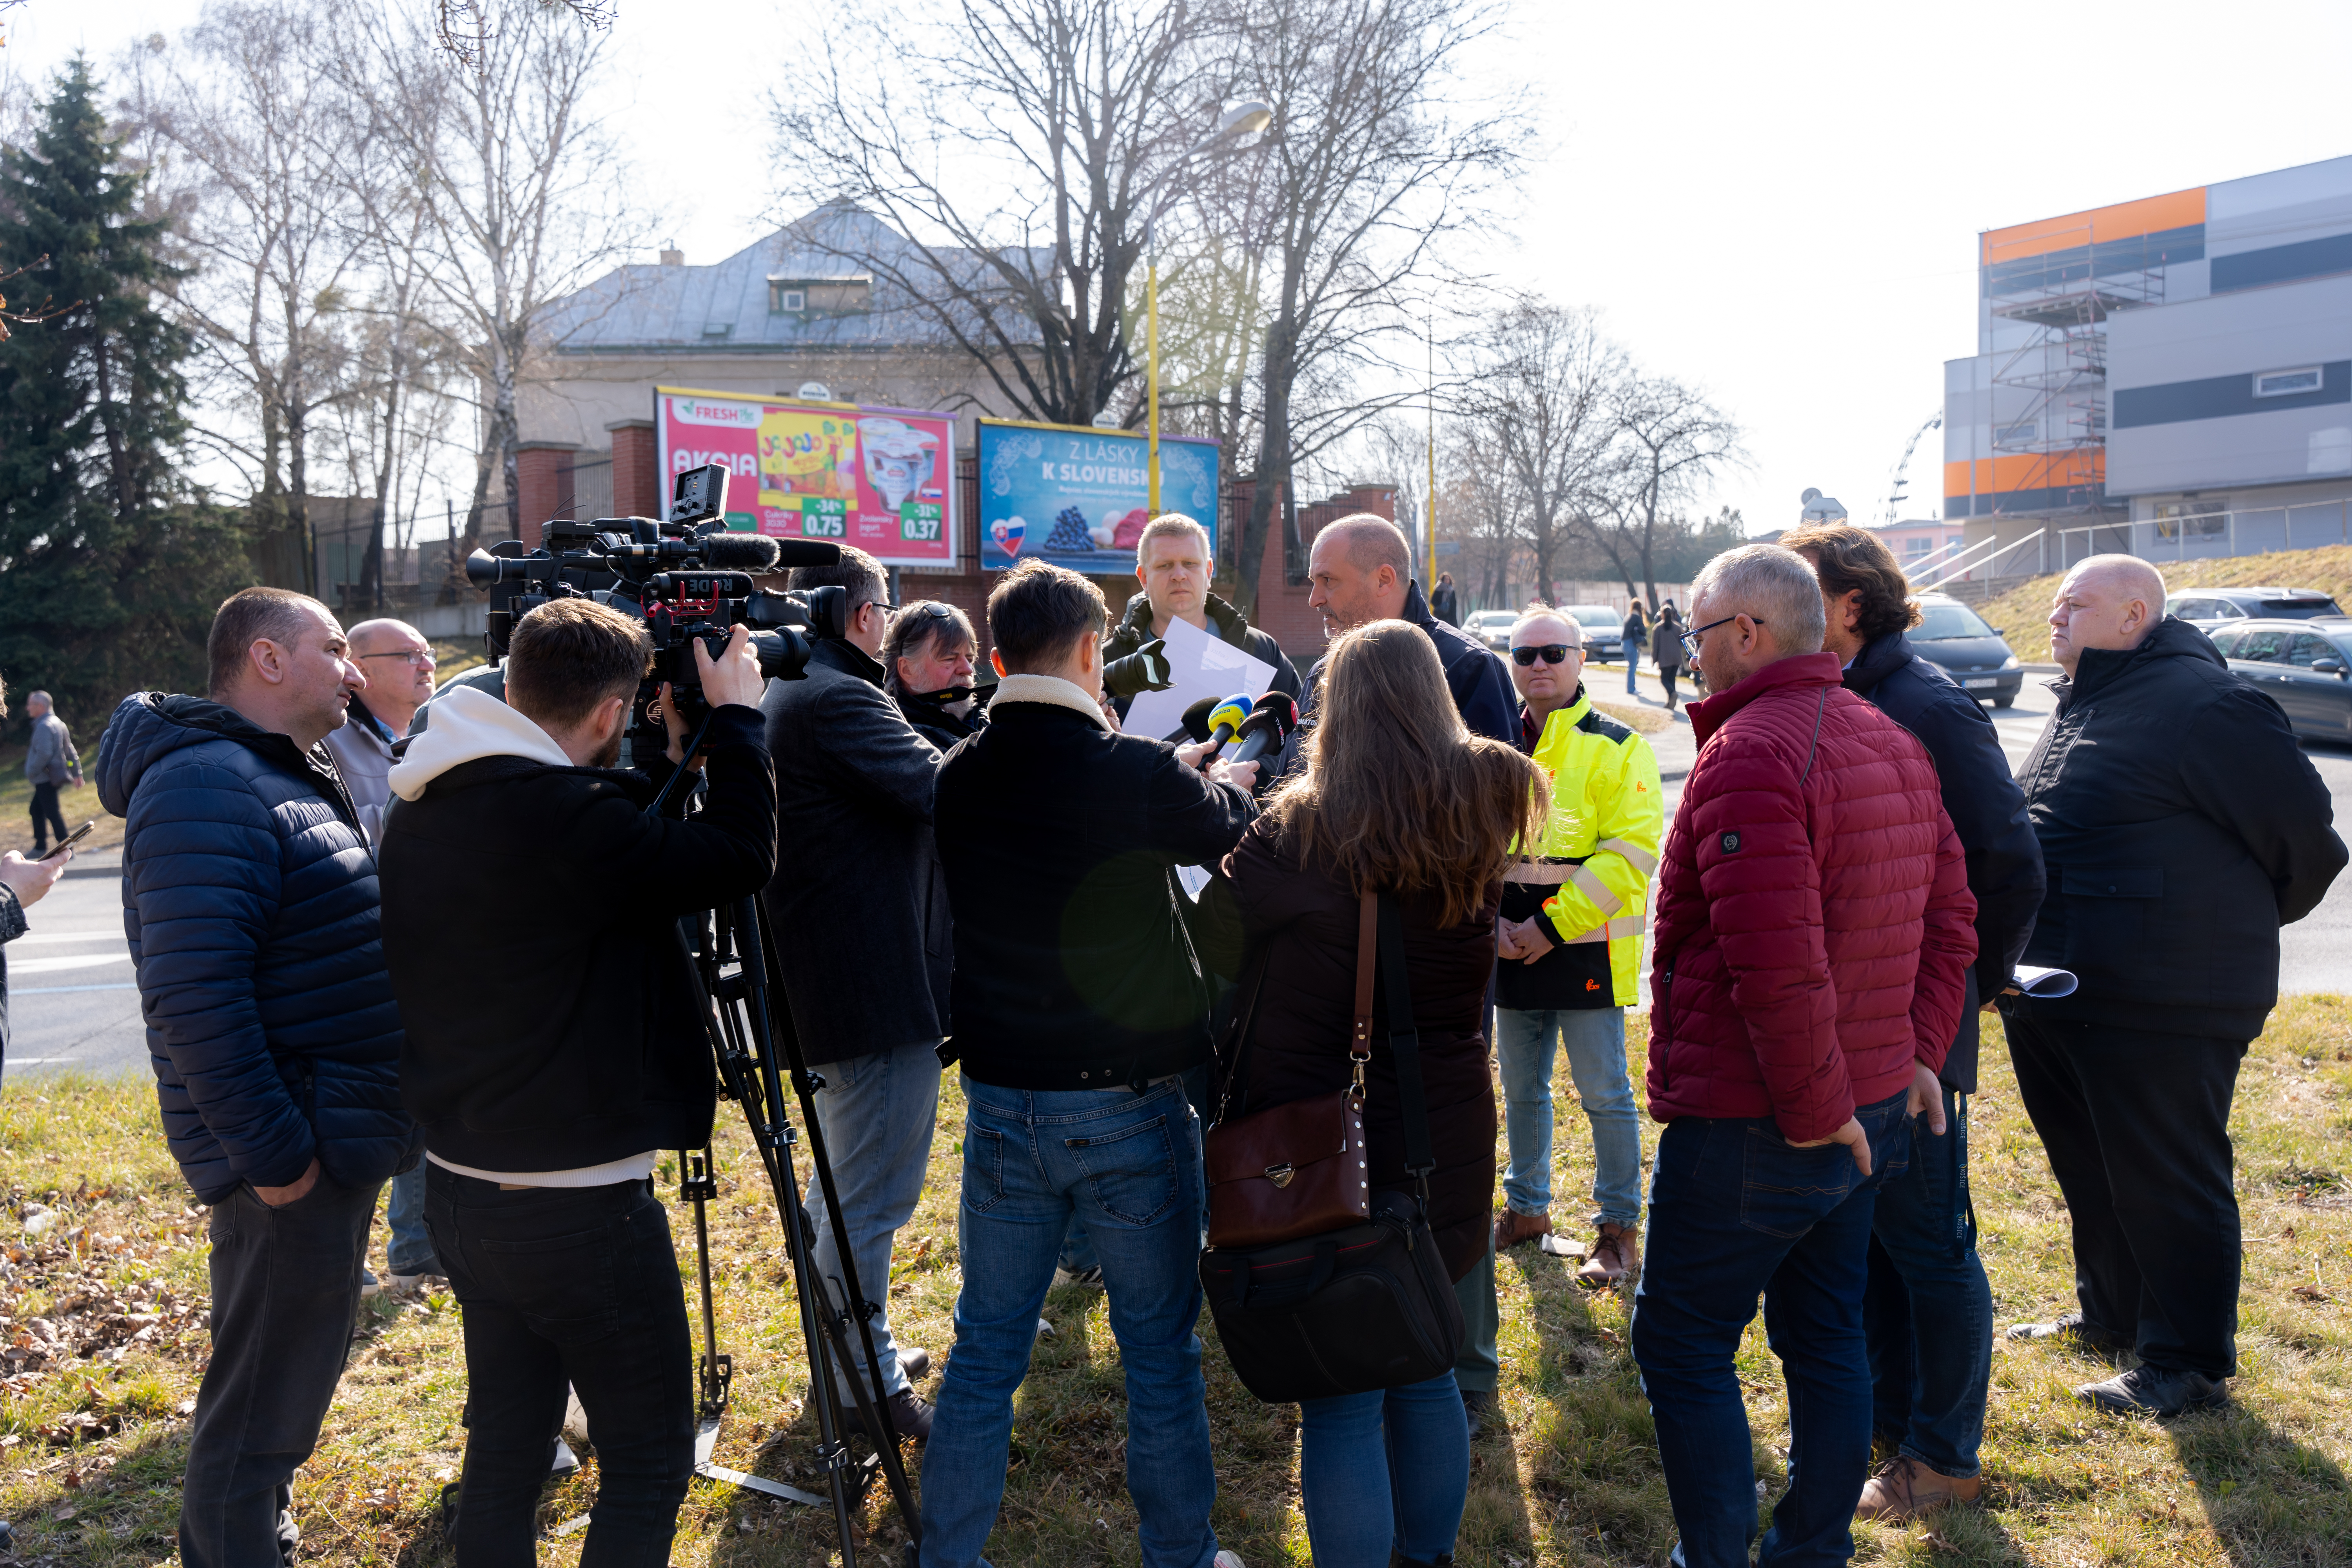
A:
[(916, 627), (1774, 586), (1545, 612)]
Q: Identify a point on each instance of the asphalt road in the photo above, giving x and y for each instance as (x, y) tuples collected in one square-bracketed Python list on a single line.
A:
[(72, 1004)]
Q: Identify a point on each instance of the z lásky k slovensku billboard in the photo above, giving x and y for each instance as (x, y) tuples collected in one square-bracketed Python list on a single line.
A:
[(1077, 497), (880, 478)]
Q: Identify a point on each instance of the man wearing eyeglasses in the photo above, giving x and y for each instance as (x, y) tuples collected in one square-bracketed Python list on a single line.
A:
[(398, 664), (1570, 944)]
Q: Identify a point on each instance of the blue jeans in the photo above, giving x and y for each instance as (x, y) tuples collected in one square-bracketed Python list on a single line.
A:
[(1124, 1163), (1078, 1251), (1595, 1038), (1929, 1311), (1632, 663), (411, 1249), (1734, 1210), (1387, 1470), (876, 1113)]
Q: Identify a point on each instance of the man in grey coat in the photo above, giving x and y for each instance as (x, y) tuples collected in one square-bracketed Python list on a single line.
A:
[(50, 762), (859, 911), (398, 664)]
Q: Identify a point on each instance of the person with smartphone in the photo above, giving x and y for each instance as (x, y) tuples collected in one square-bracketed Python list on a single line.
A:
[(22, 884)]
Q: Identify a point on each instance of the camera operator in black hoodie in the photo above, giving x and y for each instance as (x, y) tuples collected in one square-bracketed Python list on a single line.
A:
[(556, 1044)]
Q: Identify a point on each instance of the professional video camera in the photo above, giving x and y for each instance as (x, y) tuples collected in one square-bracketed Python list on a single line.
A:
[(690, 579)]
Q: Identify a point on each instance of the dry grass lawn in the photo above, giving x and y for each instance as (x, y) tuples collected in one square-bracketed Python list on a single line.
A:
[(2020, 614), (103, 1300)]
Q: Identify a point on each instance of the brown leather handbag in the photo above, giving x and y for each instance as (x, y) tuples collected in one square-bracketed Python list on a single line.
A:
[(1299, 1169)]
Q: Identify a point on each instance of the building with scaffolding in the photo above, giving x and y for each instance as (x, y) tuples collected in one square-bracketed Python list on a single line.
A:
[(2171, 377)]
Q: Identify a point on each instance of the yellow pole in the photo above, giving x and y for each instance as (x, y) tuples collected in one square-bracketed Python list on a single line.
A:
[(1151, 335)]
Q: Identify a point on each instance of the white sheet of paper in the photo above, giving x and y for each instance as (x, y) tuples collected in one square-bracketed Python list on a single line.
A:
[(1194, 879), (1200, 665), (2048, 983)]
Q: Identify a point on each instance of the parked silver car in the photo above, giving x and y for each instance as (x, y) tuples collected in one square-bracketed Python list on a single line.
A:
[(1492, 627), (2303, 666), (2210, 609)]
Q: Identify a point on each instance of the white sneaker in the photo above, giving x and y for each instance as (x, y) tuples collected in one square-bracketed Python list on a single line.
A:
[(405, 1281), (1227, 1559), (369, 1285)]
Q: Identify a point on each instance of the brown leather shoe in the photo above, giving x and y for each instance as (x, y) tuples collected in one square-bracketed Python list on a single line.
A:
[(1512, 1228), (1906, 1488), (1614, 1255)]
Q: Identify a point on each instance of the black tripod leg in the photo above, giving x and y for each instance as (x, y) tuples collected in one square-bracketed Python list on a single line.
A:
[(698, 1186)]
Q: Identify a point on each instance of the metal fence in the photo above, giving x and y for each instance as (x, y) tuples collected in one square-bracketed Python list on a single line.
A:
[(2198, 533)]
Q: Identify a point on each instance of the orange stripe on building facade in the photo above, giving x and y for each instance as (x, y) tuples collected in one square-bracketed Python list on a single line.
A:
[(2126, 220), (2031, 471)]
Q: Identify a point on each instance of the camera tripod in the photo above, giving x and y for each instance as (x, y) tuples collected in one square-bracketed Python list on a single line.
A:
[(736, 963)]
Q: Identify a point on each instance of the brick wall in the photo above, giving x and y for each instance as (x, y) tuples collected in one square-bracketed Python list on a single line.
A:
[(638, 487), (541, 479)]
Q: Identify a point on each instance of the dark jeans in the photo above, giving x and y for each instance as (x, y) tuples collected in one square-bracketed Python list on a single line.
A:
[(1928, 1310), (46, 815), (577, 1285), (285, 1290), (2138, 1128), (1734, 1211)]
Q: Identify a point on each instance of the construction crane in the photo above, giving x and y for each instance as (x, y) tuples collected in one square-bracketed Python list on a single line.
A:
[(1894, 496)]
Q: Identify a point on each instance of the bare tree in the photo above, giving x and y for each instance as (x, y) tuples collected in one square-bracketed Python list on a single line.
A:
[(252, 147), (1669, 441), (513, 183), (463, 27), (1542, 400), (1022, 151)]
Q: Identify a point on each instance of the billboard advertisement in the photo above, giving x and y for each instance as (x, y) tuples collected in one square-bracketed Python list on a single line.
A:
[(1076, 497), (880, 478)]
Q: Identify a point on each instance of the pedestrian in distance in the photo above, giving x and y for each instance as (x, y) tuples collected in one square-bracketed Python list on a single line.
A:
[(1175, 563), (50, 763), (1079, 1003), (1360, 570), (928, 659), (1815, 927), (1635, 636), (2181, 826), (398, 663), (1397, 796), (1667, 650), (251, 905), (854, 790), (23, 883), (1570, 944), (1441, 601), (1928, 1312), (573, 1050)]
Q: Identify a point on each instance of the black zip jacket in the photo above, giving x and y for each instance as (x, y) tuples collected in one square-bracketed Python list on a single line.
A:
[(2181, 826), (1134, 629), (1987, 809), (1074, 968), (530, 922)]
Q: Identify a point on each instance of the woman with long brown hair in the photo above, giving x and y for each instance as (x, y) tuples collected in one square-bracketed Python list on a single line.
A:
[(1397, 795)]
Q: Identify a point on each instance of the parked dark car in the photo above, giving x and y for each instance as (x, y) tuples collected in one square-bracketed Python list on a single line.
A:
[(1952, 634), (1604, 630), (2210, 609), (2303, 665)]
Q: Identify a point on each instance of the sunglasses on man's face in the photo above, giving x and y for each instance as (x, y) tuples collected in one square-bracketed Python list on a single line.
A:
[(1550, 653)]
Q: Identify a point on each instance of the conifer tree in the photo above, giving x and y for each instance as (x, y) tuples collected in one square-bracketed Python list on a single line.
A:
[(109, 565)]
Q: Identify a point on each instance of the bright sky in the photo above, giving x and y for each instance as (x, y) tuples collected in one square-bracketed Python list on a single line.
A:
[(1778, 203)]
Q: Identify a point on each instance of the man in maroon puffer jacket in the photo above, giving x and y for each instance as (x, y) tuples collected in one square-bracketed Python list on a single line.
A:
[(1815, 927)]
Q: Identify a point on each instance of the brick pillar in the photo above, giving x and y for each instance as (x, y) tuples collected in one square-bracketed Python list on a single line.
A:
[(1378, 499), (541, 481), (637, 481)]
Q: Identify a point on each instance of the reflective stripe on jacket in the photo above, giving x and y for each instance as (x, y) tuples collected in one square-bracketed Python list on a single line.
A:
[(1600, 845)]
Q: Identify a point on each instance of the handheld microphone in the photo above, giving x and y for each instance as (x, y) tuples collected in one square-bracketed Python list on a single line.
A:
[(1225, 718), (1270, 723), (1196, 717)]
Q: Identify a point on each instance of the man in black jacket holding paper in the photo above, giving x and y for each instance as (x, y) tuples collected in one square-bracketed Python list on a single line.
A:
[(1928, 1310), (557, 1043), (2182, 826)]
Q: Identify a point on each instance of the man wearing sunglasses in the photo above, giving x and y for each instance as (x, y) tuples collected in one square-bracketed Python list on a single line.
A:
[(1570, 944)]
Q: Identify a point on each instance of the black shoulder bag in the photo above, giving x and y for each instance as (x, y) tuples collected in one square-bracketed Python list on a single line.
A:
[(1366, 1306)]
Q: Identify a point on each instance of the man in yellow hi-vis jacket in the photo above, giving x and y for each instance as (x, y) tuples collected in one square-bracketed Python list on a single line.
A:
[(1570, 945)]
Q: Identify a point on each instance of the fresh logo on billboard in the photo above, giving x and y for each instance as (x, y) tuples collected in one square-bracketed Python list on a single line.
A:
[(735, 415)]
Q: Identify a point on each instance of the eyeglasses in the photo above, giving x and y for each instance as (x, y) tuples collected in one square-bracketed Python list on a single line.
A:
[(422, 658), (1689, 640), (1550, 653)]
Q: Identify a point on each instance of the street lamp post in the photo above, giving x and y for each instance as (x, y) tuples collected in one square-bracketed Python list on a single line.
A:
[(1241, 120)]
